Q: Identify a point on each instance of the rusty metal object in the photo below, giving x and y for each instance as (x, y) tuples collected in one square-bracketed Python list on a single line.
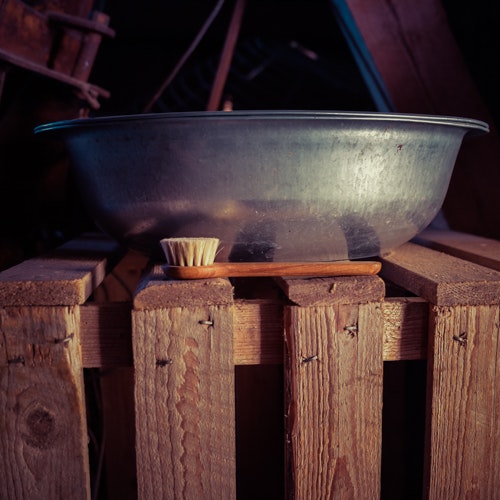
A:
[(53, 43)]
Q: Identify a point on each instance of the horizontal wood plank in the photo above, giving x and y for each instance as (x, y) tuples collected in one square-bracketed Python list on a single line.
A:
[(405, 328), (482, 251), (439, 278), (66, 276), (258, 332), (106, 334), (334, 290)]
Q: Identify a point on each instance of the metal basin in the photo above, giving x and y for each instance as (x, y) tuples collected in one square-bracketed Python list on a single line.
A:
[(273, 186)]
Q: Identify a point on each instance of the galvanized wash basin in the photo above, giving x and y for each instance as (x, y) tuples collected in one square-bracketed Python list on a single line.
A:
[(272, 185)]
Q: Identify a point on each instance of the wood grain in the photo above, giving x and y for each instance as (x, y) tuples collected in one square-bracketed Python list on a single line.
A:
[(44, 444), (258, 332), (439, 278), (405, 328), (464, 408), (106, 335), (156, 290), (332, 290), (482, 251), (262, 269), (334, 401), (184, 397), (67, 276)]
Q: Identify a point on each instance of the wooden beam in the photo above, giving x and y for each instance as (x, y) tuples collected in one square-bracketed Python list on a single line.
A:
[(333, 389), (184, 394), (405, 328), (66, 276), (258, 332), (43, 429), (482, 251), (463, 436), (439, 278)]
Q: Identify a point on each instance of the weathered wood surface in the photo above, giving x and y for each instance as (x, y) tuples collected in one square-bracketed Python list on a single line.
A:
[(405, 328), (67, 276), (482, 251), (463, 373), (158, 291), (334, 401), (257, 332), (184, 394), (463, 445), (322, 291), (106, 335), (43, 433), (439, 278)]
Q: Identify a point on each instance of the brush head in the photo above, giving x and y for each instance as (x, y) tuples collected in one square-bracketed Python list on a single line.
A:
[(190, 251)]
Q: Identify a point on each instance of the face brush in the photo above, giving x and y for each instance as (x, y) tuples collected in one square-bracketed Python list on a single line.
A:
[(193, 258)]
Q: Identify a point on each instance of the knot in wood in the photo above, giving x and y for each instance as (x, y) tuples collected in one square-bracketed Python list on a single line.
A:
[(39, 427)]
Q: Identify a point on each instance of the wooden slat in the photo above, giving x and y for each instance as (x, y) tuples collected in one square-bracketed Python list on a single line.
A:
[(323, 291), (405, 328), (106, 335), (43, 434), (158, 291), (463, 445), (334, 401), (258, 332), (482, 251), (439, 278), (67, 276), (184, 395)]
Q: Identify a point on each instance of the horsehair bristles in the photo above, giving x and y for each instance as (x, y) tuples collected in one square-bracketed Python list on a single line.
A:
[(190, 251)]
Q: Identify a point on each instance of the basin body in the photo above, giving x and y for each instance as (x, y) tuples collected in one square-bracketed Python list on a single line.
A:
[(271, 185)]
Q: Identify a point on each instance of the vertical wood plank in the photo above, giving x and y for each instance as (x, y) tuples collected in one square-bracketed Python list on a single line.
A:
[(184, 396), (463, 444), (334, 400), (43, 446)]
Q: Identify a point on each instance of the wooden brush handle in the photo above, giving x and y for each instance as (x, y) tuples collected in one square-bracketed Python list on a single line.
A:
[(248, 269)]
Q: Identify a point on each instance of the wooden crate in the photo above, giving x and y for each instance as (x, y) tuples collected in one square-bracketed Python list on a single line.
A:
[(181, 341)]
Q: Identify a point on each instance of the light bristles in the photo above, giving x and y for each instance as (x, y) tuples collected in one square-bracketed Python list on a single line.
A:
[(190, 251)]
